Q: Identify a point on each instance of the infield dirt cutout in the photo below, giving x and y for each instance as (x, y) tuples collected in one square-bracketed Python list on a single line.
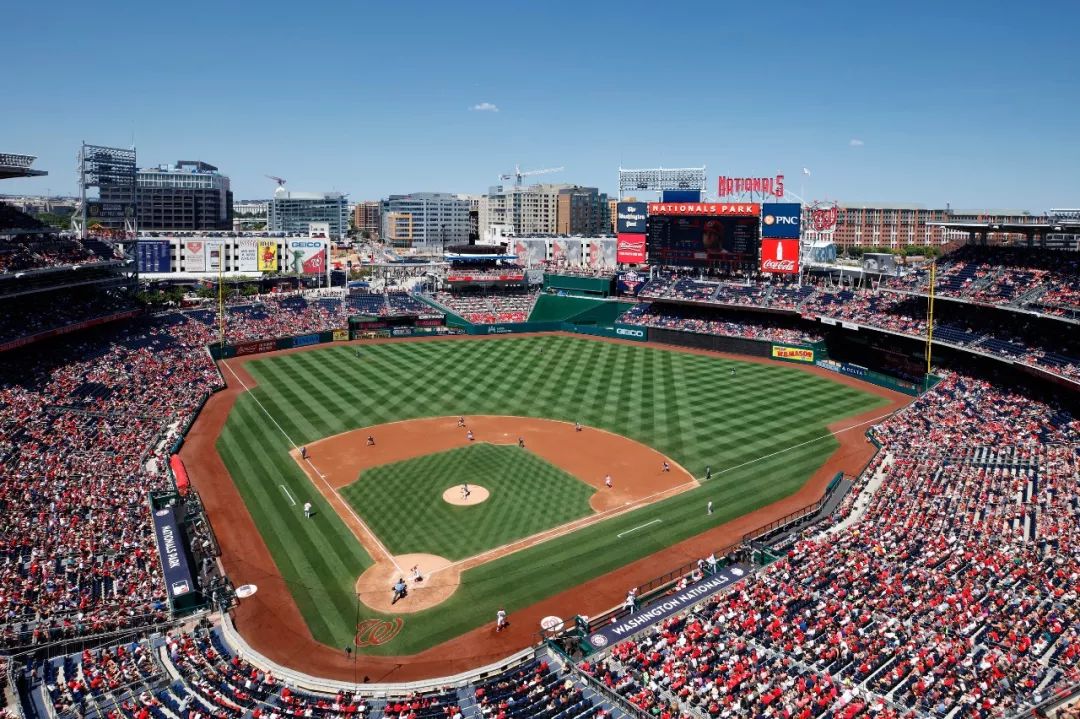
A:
[(590, 455)]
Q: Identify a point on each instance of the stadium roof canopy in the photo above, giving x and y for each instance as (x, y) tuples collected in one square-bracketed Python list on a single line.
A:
[(12, 165)]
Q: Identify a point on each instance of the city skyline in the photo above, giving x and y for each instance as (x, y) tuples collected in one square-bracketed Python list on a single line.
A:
[(921, 105)]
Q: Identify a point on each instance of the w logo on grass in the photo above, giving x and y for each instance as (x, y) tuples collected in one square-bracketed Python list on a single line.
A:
[(373, 632)]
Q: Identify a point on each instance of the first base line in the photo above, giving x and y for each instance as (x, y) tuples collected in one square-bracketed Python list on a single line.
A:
[(640, 526), (287, 495)]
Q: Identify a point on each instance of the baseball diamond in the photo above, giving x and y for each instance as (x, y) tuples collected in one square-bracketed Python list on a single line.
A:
[(763, 431)]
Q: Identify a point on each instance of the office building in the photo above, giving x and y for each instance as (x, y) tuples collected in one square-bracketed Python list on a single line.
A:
[(366, 219), (425, 220), (293, 212), (190, 195), (250, 214), (582, 211), (544, 209)]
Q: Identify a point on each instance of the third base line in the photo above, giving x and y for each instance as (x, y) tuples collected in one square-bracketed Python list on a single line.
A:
[(640, 526), (287, 495)]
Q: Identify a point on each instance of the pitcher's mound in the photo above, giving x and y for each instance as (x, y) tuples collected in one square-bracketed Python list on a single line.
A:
[(477, 494), (440, 580)]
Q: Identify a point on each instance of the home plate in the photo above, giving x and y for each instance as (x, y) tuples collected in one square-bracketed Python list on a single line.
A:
[(246, 590)]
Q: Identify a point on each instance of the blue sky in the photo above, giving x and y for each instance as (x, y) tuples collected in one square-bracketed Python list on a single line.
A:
[(970, 103)]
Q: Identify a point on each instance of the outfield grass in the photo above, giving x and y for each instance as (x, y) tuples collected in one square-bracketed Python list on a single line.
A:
[(528, 495), (762, 431)]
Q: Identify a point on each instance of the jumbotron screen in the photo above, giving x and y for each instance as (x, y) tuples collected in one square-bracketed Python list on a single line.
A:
[(703, 240)]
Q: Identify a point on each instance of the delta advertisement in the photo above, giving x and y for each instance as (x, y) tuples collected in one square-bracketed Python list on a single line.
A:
[(153, 256), (306, 257), (194, 256), (631, 217), (780, 257), (793, 354), (781, 219), (631, 248), (173, 554), (267, 261)]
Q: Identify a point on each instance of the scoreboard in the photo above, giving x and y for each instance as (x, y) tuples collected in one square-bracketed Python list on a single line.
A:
[(720, 241)]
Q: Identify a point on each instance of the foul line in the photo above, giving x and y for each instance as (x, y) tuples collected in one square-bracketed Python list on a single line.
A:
[(315, 469), (640, 526), (287, 495)]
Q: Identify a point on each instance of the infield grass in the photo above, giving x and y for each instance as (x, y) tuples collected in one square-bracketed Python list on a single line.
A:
[(528, 495), (762, 431)]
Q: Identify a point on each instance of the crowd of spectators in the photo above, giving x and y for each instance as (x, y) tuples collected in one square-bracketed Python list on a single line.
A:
[(29, 315), (729, 292), (28, 244), (488, 308), (686, 320), (954, 595)]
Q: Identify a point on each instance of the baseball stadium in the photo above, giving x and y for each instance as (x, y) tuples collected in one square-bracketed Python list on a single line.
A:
[(541, 479)]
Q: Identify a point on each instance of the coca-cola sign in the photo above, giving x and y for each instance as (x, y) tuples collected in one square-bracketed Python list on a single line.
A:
[(780, 256)]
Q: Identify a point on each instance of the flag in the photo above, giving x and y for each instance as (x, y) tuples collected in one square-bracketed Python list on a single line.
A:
[(806, 171)]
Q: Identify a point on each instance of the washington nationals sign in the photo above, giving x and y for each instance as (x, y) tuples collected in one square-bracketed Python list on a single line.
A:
[(742, 185), (823, 218), (666, 606)]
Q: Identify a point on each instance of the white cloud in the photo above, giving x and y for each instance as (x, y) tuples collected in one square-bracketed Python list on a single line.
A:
[(856, 142), (485, 107)]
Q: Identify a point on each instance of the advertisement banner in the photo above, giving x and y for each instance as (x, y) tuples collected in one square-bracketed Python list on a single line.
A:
[(153, 256), (341, 335), (631, 217), (530, 252), (630, 332), (630, 282), (306, 257), (194, 256), (734, 209), (781, 219), (247, 255), (630, 248), (603, 252), (215, 256), (305, 340), (253, 348), (566, 252), (267, 261), (780, 256), (795, 354), (98, 210), (173, 555), (667, 606)]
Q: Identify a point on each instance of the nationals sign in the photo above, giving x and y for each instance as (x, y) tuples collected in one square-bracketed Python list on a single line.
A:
[(630, 248), (742, 185), (780, 256), (822, 218), (742, 209)]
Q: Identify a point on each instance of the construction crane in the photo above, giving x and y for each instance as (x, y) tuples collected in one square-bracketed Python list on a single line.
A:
[(518, 174), (279, 180)]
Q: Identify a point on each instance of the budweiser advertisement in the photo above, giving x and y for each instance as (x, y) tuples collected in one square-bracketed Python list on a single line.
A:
[(716, 209), (630, 248), (780, 256)]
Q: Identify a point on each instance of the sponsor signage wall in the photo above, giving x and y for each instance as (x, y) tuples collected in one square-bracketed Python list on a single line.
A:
[(173, 554), (251, 348), (631, 217), (630, 332), (305, 340), (629, 283), (306, 257), (215, 252), (781, 219), (153, 255), (667, 606), (740, 209), (630, 248), (780, 256), (567, 251), (793, 354)]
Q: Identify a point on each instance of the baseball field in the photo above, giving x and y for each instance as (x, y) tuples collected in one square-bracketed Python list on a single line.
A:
[(549, 523)]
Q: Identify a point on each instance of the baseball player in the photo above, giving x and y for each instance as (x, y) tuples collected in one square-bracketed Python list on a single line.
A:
[(607, 481), (470, 436), (307, 509), (667, 467), (708, 507), (708, 471), (577, 426), (417, 575), (521, 442), (303, 453), (465, 492), (500, 620), (461, 421), (371, 441)]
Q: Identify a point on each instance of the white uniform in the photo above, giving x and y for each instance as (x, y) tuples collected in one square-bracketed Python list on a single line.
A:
[(307, 509)]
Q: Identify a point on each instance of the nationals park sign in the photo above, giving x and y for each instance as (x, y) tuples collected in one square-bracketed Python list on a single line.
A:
[(737, 209), (667, 606)]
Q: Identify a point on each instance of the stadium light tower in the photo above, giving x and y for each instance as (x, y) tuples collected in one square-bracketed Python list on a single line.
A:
[(660, 179)]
